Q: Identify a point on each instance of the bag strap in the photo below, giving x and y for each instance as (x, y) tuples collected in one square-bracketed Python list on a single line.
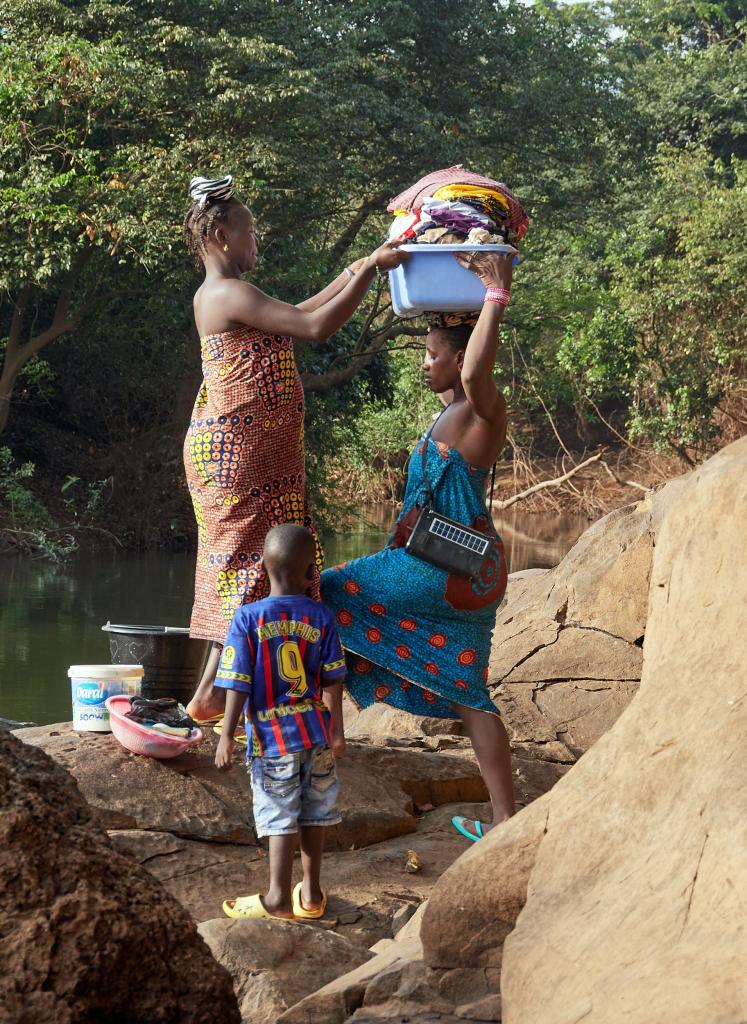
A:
[(424, 458)]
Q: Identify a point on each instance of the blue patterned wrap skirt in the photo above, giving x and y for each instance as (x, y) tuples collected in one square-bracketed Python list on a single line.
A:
[(415, 636)]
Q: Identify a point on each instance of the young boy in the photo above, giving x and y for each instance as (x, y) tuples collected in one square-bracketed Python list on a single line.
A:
[(282, 663)]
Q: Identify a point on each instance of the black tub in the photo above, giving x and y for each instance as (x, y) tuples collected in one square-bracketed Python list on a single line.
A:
[(172, 660)]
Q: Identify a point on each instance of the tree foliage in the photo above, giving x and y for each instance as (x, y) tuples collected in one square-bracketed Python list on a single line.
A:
[(623, 127)]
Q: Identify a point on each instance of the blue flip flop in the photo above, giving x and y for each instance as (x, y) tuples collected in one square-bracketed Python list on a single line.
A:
[(458, 823)]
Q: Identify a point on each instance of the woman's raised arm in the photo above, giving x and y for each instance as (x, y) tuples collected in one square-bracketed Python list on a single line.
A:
[(495, 270), (243, 303)]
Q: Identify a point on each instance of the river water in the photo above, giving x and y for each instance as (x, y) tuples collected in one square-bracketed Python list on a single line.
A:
[(51, 616)]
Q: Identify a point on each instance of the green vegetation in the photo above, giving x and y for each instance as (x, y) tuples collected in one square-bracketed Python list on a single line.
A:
[(622, 126), (29, 526)]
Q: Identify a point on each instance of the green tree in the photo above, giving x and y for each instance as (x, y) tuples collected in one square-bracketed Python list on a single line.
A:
[(681, 273), (107, 109), (676, 253), (110, 107)]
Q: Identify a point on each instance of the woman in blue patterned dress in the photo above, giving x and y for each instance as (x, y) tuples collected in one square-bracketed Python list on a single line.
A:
[(416, 637)]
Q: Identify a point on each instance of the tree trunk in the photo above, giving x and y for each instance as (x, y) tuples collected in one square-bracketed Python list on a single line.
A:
[(17, 354), (344, 368), (7, 383)]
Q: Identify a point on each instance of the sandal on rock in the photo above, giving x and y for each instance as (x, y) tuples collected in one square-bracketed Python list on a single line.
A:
[(300, 910), (211, 720), (250, 908), (239, 736), (459, 824)]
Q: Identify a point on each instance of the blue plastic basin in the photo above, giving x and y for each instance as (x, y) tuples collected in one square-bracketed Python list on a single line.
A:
[(431, 280)]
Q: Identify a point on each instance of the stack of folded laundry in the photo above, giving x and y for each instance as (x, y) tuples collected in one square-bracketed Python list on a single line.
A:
[(455, 205), (164, 715)]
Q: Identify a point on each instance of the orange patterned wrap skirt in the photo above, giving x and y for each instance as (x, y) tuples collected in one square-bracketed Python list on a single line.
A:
[(244, 458)]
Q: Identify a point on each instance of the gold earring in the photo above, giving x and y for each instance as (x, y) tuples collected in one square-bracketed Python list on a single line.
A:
[(225, 248)]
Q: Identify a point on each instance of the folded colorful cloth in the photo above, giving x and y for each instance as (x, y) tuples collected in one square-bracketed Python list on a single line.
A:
[(443, 235), (479, 236), (408, 225), (412, 198), (457, 216), (488, 199)]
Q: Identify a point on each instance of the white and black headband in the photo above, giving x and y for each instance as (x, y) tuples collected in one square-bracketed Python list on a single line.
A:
[(203, 190)]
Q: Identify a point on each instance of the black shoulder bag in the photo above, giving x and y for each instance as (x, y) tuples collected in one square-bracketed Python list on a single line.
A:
[(443, 542)]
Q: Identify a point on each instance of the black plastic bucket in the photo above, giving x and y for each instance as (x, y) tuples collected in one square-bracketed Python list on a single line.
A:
[(172, 660)]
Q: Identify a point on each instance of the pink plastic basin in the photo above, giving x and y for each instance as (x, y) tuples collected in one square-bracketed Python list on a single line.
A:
[(139, 739)]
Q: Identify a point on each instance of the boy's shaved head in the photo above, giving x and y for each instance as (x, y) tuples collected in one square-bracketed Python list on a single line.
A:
[(288, 548)]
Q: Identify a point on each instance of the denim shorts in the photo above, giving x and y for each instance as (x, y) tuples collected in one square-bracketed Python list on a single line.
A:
[(294, 789)]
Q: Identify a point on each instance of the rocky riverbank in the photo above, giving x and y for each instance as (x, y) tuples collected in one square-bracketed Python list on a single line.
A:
[(189, 828), (615, 891)]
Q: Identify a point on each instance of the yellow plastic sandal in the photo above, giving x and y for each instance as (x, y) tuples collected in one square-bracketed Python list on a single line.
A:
[(300, 910), (246, 908), (202, 722), (239, 735)]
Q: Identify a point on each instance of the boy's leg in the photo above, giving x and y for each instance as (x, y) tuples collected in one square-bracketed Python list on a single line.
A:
[(276, 790), (277, 899), (312, 849), (490, 742), (320, 789)]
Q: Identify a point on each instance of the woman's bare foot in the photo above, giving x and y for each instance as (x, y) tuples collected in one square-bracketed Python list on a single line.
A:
[(207, 702), (477, 828), (473, 829)]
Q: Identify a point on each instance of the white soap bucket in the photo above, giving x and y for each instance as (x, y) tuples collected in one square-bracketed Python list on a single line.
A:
[(92, 684)]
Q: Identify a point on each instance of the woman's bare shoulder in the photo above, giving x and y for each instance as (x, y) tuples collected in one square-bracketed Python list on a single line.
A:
[(222, 287), (223, 304)]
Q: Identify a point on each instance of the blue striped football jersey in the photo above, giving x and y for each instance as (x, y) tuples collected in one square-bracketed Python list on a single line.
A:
[(281, 652)]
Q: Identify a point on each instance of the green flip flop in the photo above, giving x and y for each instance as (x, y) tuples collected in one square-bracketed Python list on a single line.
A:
[(458, 822)]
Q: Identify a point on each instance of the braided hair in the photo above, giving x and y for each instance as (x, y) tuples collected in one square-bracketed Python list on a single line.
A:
[(456, 335), (212, 202)]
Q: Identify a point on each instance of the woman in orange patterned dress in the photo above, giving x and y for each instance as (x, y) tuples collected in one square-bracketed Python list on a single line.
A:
[(244, 451)]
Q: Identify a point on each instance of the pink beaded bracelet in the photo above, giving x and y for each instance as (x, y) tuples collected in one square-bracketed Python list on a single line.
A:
[(500, 295)]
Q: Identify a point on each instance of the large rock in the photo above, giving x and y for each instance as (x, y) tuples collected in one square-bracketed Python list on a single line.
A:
[(378, 784), (383, 725), (397, 986), (578, 653), (189, 798), (274, 964), (186, 795), (619, 893), (475, 904), (583, 709), (85, 935), (603, 581), (382, 976), (636, 900), (566, 654)]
